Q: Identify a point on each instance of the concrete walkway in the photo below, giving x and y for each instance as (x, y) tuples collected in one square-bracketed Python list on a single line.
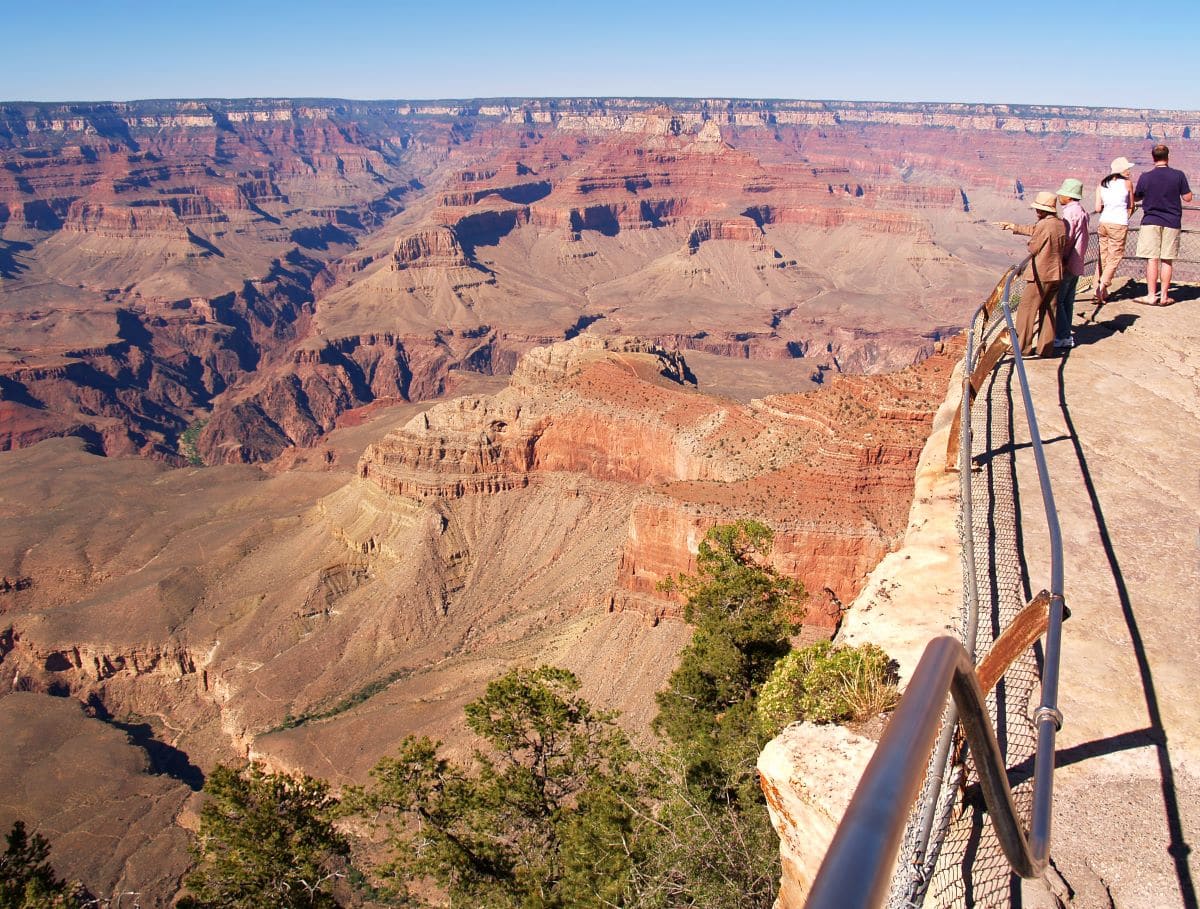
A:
[(1120, 417)]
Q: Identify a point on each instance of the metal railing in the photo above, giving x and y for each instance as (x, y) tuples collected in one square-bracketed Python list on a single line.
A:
[(857, 870)]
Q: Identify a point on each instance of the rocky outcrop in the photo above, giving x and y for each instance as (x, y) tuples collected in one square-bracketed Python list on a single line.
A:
[(123, 221), (832, 473), (75, 668), (550, 420), (809, 774), (744, 230), (298, 402), (433, 248)]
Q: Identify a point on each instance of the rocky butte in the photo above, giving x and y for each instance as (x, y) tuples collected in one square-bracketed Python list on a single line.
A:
[(341, 355)]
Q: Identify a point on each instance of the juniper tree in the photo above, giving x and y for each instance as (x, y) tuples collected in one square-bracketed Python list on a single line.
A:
[(743, 613), (716, 847), (546, 815), (266, 839)]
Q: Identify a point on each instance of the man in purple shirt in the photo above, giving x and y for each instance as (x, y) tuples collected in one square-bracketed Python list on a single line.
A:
[(1076, 220), (1162, 192)]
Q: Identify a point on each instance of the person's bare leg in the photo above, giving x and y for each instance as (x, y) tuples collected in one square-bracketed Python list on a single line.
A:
[(1164, 277), (1151, 280)]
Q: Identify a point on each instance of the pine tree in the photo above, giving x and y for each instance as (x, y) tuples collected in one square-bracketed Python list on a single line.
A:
[(545, 816)]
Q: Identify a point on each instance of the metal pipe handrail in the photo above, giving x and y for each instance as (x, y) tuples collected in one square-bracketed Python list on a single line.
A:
[(1048, 718), (857, 867)]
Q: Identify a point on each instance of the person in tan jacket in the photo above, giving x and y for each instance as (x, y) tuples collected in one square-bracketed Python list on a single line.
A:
[(1047, 247)]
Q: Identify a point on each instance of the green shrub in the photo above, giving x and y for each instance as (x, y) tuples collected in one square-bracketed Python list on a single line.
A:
[(827, 683), (188, 443)]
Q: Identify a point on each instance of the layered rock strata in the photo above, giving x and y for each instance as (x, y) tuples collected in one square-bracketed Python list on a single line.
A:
[(912, 595), (830, 472), (748, 229), (313, 618)]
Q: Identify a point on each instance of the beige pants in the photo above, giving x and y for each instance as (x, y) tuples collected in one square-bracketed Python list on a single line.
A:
[(1112, 251), (1036, 315)]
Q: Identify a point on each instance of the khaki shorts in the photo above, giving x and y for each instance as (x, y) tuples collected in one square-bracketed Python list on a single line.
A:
[(1155, 242)]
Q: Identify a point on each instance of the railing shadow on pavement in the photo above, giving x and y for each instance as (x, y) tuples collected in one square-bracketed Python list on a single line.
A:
[(1156, 734)]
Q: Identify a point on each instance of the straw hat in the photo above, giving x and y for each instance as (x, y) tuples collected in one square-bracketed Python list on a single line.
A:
[(1045, 202), (1121, 165)]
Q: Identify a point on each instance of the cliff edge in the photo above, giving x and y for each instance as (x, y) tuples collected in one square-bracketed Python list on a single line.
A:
[(1118, 420)]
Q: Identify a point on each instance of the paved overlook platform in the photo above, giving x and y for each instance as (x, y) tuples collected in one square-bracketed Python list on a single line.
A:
[(1120, 419)]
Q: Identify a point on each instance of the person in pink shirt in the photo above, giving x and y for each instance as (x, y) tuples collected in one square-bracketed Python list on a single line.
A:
[(1075, 217)]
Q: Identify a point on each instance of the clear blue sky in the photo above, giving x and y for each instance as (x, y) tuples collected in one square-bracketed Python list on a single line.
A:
[(1099, 53)]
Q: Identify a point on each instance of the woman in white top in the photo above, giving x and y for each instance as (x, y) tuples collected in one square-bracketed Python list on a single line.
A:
[(1114, 202)]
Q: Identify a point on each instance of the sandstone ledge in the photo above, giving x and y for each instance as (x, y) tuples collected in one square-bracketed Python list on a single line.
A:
[(809, 773), (915, 593)]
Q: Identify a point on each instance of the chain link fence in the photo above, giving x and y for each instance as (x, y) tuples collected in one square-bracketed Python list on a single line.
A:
[(1186, 265), (963, 864)]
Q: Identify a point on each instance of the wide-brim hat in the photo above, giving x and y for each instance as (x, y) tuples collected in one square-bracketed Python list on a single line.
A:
[(1120, 165), (1045, 202), (1071, 188)]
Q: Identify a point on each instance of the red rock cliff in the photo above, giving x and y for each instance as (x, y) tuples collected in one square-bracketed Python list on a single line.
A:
[(830, 471)]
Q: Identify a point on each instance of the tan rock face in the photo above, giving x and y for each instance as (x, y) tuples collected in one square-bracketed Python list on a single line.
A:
[(808, 774)]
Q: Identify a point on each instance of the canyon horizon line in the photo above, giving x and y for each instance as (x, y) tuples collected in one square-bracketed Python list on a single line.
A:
[(551, 100)]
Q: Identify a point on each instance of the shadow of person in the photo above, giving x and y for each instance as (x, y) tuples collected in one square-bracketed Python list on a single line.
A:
[(1091, 332), (1133, 291)]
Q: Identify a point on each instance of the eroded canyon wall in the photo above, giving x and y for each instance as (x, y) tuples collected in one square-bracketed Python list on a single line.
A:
[(221, 280)]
